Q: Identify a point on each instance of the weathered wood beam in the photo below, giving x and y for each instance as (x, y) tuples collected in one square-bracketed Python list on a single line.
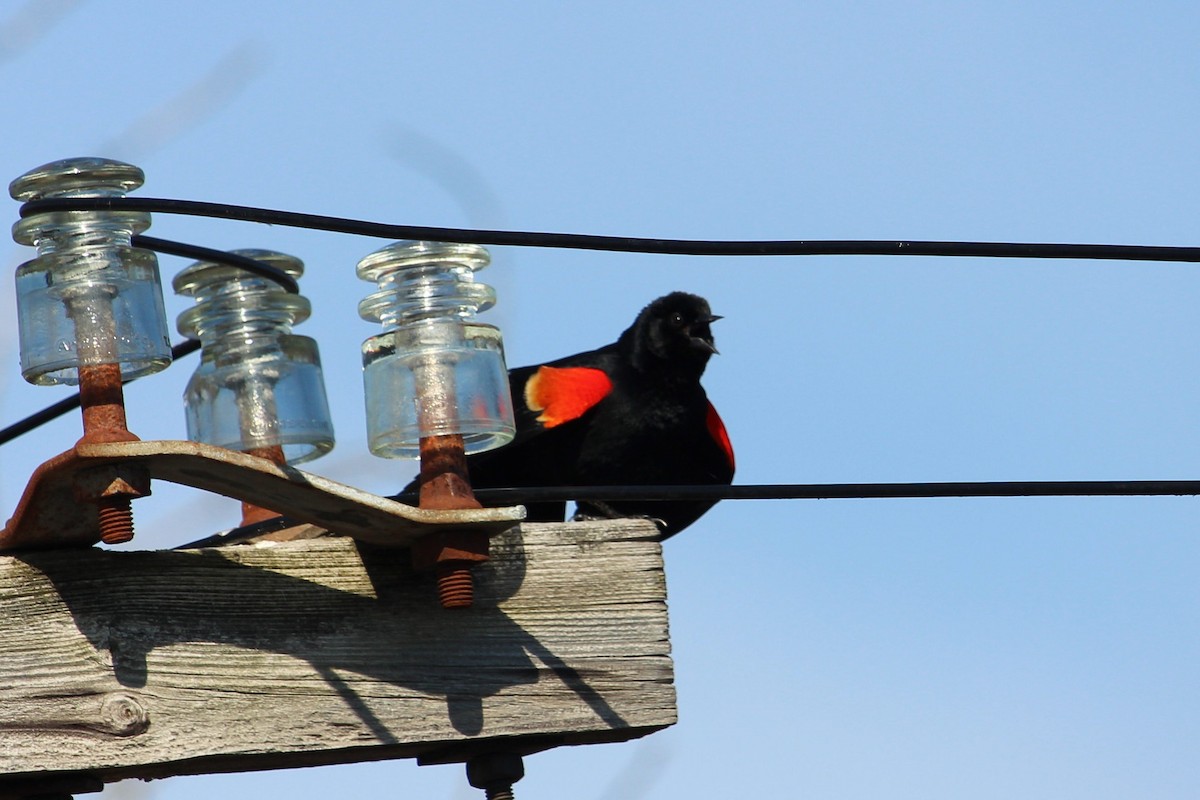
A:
[(149, 664)]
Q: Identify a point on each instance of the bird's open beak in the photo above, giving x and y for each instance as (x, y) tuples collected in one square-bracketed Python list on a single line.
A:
[(706, 343)]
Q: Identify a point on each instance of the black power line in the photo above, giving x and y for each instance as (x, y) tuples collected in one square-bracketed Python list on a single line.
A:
[(186, 347), (770, 491), (252, 265), (829, 491), (644, 245), (625, 244)]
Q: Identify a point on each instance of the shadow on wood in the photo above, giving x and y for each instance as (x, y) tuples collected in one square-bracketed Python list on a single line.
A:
[(156, 663)]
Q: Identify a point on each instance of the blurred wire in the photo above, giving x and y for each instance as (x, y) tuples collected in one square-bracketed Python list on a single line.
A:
[(624, 244), (149, 132), (23, 28), (450, 171), (167, 121), (645, 768)]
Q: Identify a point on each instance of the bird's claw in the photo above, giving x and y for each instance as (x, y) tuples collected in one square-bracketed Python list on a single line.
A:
[(598, 510)]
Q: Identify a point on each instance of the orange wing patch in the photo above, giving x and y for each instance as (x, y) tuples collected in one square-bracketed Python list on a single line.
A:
[(716, 429), (565, 393)]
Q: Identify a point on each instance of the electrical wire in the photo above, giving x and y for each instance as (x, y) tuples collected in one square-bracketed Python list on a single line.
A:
[(829, 491), (642, 245), (253, 265), (50, 412), (624, 244), (769, 491), (187, 346)]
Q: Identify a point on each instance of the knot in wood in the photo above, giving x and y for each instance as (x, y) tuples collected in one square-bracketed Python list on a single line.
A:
[(123, 715)]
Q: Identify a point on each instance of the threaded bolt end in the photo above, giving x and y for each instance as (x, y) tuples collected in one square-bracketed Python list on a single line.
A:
[(455, 586), (499, 794), (116, 519)]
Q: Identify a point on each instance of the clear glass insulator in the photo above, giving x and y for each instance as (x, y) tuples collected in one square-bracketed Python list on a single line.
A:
[(258, 385), (90, 297), (434, 370)]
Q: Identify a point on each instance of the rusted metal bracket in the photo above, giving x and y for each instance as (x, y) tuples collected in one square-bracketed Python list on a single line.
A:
[(50, 515)]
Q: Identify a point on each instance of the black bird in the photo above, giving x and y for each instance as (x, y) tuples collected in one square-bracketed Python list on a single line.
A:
[(629, 413)]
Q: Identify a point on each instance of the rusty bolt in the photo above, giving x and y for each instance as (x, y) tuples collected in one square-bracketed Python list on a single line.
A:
[(252, 513), (451, 555), (116, 519), (103, 403), (112, 487), (444, 482), (445, 486), (102, 400), (456, 587)]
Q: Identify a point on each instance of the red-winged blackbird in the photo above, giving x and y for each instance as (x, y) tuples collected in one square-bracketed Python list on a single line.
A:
[(629, 413)]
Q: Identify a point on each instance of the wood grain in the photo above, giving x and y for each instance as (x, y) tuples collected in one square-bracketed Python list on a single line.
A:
[(147, 664)]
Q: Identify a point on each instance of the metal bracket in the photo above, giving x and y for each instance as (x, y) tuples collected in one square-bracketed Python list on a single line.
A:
[(49, 514)]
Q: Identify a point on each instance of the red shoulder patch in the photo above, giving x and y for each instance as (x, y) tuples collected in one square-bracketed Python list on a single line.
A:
[(716, 429), (565, 393)]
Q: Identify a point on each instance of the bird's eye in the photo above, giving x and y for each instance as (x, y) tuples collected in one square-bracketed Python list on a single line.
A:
[(677, 319)]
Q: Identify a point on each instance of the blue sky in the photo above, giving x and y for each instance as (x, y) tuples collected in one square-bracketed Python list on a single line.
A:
[(1042, 648)]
